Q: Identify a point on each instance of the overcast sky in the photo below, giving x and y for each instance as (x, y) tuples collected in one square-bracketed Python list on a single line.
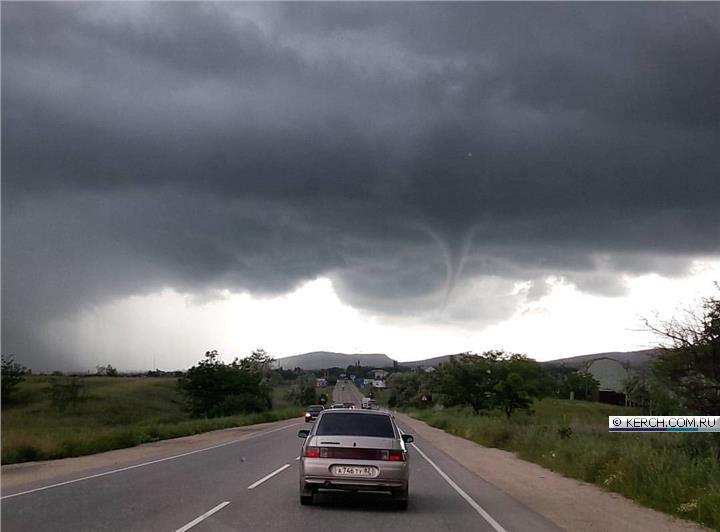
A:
[(414, 179)]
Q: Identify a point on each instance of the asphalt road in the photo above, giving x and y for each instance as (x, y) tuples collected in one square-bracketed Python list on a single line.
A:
[(253, 485)]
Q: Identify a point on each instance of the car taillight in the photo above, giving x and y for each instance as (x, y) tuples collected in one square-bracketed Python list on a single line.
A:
[(312, 452), (393, 456), (396, 456)]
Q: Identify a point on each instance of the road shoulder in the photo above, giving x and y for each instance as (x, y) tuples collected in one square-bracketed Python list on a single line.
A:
[(569, 503)]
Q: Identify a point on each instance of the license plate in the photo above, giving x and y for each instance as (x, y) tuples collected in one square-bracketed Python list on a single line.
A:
[(354, 471)]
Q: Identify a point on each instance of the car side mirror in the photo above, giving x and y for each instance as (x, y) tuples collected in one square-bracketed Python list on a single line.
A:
[(303, 433), (407, 438)]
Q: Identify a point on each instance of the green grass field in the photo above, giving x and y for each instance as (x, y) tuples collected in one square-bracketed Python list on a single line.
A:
[(119, 412), (675, 473)]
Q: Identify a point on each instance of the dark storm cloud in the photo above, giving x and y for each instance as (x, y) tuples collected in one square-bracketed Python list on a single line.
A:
[(413, 153)]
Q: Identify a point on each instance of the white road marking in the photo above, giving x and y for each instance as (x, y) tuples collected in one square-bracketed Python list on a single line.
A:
[(479, 509), (113, 471), (297, 458), (203, 517), (267, 477)]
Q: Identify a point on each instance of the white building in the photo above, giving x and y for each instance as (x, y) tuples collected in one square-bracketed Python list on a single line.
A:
[(612, 376), (610, 373), (379, 374)]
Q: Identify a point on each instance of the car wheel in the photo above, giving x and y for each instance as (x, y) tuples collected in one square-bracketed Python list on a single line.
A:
[(401, 498), (307, 494)]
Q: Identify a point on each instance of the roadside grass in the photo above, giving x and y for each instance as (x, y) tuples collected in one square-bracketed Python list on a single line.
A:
[(118, 412), (672, 472)]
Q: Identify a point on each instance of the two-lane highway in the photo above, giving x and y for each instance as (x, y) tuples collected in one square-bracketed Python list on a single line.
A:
[(347, 392), (252, 484)]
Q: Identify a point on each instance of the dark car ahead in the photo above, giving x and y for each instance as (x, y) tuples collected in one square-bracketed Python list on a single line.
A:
[(312, 412), (354, 450)]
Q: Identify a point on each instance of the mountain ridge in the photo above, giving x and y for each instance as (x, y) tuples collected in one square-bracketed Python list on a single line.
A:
[(330, 359), (638, 359)]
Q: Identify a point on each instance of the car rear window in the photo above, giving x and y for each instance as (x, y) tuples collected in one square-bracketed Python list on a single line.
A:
[(355, 425)]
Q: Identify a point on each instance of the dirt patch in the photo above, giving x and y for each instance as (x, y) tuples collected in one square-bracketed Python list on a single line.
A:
[(569, 503), (16, 477)]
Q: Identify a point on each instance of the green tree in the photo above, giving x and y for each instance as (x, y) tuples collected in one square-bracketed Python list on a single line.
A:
[(636, 390), (407, 390), (520, 380), (13, 374), (662, 401), (494, 379), (467, 379), (213, 388), (688, 365), (259, 361), (287, 374), (302, 392), (651, 394), (581, 384), (106, 371)]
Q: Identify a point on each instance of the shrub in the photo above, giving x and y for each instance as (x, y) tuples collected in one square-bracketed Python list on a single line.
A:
[(68, 393), (12, 375), (213, 388)]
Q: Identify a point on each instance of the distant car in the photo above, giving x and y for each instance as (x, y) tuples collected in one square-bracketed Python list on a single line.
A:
[(355, 450), (312, 412), (369, 404), (338, 405), (349, 405)]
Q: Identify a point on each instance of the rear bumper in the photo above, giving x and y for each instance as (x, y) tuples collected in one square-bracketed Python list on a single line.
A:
[(316, 473), (334, 483)]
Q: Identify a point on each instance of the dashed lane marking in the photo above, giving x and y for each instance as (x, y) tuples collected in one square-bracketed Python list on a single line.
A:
[(203, 517), (268, 477)]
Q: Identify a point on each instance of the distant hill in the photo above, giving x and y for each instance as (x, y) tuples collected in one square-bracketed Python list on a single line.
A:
[(636, 359), (427, 362), (328, 359)]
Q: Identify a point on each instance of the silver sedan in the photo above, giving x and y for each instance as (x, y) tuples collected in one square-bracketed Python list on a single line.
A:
[(354, 450)]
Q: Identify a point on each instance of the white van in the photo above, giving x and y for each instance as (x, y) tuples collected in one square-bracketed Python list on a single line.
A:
[(369, 404)]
